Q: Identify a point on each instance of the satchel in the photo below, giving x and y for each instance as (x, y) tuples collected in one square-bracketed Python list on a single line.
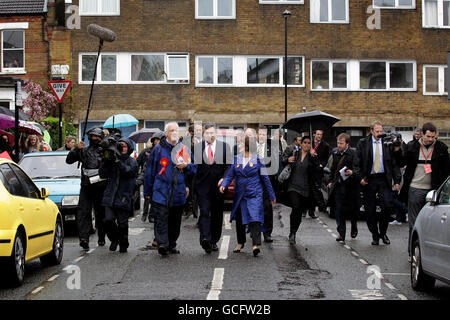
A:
[(285, 174), (92, 175)]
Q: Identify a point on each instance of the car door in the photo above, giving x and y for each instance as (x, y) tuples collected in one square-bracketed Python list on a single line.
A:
[(443, 208), (24, 208), (44, 229)]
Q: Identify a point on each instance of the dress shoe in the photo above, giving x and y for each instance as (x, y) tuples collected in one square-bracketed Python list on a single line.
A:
[(354, 232), (236, 250), (144, 217), (214, 247), (292, 238), (385, 239), (313, 216), (113, 245), (256, 251), (123, 249), (163, 251), (206, 245), (340, 239), (375, 242), (101, 241), (84, 244), (268, 239), (304, 214), (174, 251)]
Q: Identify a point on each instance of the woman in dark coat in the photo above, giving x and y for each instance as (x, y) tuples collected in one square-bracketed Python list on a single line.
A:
[(300, 182), (250, 177)]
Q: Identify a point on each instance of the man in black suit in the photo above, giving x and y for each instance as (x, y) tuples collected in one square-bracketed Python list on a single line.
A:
[(213, 158), (376, 168)]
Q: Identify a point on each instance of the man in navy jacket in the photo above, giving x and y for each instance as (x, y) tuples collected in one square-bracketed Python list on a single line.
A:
[(165, 183)]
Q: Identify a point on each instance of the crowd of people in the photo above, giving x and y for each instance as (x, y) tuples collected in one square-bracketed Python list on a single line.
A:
[(189, 175)]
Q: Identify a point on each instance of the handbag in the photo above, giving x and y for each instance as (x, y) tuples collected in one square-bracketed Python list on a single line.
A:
[(285, 174)]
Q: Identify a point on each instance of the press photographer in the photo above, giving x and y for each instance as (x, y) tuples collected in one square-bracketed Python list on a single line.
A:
[(121, 171), (92, 187)]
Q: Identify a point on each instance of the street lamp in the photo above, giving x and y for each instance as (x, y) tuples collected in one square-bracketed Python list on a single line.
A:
[(286, 15)]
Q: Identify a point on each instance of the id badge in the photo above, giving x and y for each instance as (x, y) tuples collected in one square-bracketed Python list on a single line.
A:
[(427, 168)]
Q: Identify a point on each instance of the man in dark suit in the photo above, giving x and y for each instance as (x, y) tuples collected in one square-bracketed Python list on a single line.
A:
[(376, 168), (213, 158)]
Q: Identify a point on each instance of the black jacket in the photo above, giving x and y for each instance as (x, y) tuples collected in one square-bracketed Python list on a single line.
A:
[(288, 153), (323, 152), (364, 161), (351, 183), (121, 177), (207, 175), (90, 158), (440, 163)]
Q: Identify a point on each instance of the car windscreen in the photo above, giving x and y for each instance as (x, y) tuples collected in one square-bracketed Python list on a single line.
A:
[(49, 167)]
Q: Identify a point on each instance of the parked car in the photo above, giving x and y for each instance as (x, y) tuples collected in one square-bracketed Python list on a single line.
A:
[(31, 225), (50, 170), (430, 241)]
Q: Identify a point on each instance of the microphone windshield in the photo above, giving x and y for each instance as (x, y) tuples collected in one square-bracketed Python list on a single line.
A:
[(100, 32)]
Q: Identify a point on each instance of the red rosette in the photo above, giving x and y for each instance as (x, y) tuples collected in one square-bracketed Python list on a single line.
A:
[(164, 162)]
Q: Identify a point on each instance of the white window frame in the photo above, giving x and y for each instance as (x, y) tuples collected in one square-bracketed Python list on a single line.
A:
[(124, 68), (315, 4), (397, 6), (99, 6), (14, 26), (240, 71), (215, 8), (353, 75), (215, 72), (330, 74), (284, 2), (440, 24), (167, 66), (441, 80)]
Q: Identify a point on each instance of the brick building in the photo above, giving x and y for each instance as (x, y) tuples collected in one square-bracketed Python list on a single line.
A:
[(222, 61)]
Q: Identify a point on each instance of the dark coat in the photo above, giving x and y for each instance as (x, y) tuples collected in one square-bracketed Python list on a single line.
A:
[(90, 158), (351, 183), (288, 153), (440, 163), (364, 161), (121, 177), (207, 175), (323, 152)]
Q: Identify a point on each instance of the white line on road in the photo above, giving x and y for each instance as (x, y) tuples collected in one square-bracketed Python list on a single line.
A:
[(223, 254), (78, 259), (329, 230), (367, 294), (91, 250), (363, 261), (37, 290), (216, 285), (334, 235), (226, 219), (396, 274), (402, 297), (355, 254), (53, 278), (347, 247), (131, 220), (390, 286)]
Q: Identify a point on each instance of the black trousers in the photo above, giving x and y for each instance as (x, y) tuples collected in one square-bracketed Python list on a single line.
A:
[(91, 197), (299, 204), (377, 223), (343, 196), (116, 225), (167, 224), (255, 230), (317, 196), (211, 215), (268, 215)]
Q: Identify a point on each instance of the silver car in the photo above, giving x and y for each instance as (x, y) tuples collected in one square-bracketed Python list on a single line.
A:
[(430, 241)]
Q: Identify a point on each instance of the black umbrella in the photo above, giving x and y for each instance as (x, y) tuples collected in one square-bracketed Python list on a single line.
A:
[(9, 112), (309, 121), (142, 136)]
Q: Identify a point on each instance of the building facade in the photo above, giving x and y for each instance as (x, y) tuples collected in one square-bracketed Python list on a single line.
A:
[(222, 61)]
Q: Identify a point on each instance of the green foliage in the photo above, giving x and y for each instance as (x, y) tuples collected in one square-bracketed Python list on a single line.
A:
[(52, 123)]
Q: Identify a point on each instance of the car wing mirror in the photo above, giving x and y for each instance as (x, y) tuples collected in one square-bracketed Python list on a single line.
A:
[(431, 197), (44, 193)]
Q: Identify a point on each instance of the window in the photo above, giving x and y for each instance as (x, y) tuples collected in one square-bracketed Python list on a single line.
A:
[(329, 75), (263, 70), (329, 11), (436, 13), (13, 186), (281, 1), (215, 70), (30, 188), (435, 80), (128, 68), (394, 4), (355, 75), (99, 7), (215, 9), (13, 50)]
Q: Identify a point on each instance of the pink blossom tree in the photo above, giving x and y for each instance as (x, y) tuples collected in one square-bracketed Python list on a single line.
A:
[(39, 102)]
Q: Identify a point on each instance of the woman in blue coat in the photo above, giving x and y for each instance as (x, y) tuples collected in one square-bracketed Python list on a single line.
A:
[(250, 178)]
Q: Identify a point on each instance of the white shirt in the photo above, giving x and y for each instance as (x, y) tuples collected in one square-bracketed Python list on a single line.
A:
[(245, 161)]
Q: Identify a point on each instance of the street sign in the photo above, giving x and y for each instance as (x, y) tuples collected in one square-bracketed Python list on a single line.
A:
[(60, 88)]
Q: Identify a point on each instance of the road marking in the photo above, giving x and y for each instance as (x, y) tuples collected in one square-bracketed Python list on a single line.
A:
[(78, 259), (135, 231), (131, 219), (329, 230), (91, 250), (53, 278), (396, 274), (334, 235), (355, 254), (363, 261), (216, 285), (37, 290), (227, 221), (390, 286), (402, 297), (367, 294), (347, 247), (223, 254)]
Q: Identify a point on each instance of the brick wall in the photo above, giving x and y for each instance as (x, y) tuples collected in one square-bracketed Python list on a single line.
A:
[(170, 26)]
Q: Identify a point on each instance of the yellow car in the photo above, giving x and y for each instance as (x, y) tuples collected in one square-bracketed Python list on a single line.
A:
[(30, 224)]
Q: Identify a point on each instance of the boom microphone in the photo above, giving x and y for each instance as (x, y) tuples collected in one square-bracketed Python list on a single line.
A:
[(100, 32)]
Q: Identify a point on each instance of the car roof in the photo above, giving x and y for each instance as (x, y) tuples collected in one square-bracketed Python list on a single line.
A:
[(4, 160), (46, 153)]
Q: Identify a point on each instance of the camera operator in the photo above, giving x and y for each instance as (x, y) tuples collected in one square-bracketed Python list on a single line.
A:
[(121, 171), (92, 187)]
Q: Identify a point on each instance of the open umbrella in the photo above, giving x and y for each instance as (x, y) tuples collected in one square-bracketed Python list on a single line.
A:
[(6, 121), (309, 121), (9, 112), (46, 135), (120, 120), (142, 136), (28, 127)]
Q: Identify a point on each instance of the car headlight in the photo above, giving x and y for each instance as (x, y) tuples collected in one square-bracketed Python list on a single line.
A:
[(70, 200)]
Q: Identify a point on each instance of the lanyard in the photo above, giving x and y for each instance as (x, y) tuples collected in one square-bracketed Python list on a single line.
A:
[(429, 154)]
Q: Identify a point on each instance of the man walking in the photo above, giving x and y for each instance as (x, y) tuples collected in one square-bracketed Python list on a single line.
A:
[(213, 158), (427, 166), (321, 150), (376, 168), (164, 183)]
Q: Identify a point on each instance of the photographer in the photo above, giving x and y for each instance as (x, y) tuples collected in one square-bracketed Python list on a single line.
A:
[(121, 171), (92, 187)]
